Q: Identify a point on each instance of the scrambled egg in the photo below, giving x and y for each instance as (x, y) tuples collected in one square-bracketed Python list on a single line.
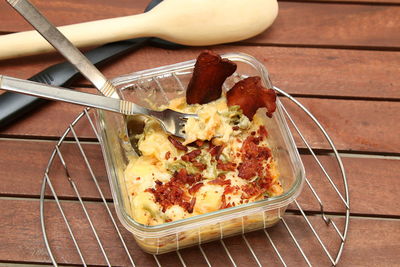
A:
[(167, 183)]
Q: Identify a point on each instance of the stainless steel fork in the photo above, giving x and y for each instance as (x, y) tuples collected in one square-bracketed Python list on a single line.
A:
[(172, 121)]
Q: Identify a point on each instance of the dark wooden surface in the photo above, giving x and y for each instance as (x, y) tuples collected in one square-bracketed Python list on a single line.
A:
[(341, 59)]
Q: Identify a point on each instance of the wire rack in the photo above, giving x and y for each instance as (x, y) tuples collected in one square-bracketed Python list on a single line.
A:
[(337, 186)]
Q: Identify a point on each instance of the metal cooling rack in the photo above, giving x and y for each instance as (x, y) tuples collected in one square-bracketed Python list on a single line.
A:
[(333, 250)]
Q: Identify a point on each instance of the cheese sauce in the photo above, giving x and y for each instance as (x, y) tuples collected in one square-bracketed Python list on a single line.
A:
[(224, 161)]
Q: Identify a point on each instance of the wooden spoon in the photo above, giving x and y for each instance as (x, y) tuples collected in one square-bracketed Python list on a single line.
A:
[(188, 22)]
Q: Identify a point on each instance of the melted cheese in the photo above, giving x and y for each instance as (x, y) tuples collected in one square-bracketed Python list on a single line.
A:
[(160, 159)]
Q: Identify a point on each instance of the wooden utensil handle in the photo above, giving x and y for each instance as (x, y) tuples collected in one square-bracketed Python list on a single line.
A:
[(81, 35)]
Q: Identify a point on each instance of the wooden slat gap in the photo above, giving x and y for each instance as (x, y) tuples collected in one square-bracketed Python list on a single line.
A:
[(350, 2), (84, 140), (321, 151), (321, 46), (25, 263), (51, 198), (339, 97), (331, 214)]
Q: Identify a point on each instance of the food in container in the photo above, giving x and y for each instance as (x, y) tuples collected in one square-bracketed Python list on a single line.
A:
[(217, 198)]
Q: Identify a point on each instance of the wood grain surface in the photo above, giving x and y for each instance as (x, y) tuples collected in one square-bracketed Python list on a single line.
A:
[(320, 24), (26, 245), (361, 172), (341, 61), (312, 71), (353, 125)]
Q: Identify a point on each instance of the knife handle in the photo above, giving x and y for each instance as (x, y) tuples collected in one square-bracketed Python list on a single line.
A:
[(14, 105)]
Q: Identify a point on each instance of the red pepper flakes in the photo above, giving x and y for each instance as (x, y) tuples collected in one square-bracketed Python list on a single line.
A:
[(137, 178), (176, 143), (167, 155), (235, 128)]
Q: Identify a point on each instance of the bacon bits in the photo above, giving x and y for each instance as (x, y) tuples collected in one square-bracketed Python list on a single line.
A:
[(193, 190), (189, 157), (173, 192), (216, 151), (220, 181), (250, 95), (228, 166), (209, 74), (177, 144), (252, 157)]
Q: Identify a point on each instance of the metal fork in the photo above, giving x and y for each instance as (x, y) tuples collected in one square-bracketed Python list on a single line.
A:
[(172, 121)]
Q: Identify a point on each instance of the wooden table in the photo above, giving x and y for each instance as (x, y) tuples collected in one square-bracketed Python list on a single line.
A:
[(340, 59)]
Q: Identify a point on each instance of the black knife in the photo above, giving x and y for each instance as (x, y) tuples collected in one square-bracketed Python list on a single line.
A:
[(14, 105)]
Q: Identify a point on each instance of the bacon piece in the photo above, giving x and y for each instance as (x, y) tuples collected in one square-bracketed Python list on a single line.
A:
[(228, 166), (250, 190), (189, 157), (216, 151), (210, 72), (252, 158), (191, 205), (199, 143), (230, 189), (182, 177), (250, 95), (199, 165), (249, 169), (193, 190), (220, 181), (262, 131), (173, 193), (177, 144)]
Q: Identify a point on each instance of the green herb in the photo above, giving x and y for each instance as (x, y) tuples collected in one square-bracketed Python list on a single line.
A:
[(180, 164)]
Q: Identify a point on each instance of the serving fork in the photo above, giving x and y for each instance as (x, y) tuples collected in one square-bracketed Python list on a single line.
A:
[(172, 121)]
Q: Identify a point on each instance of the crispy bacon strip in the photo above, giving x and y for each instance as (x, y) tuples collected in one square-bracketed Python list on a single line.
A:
[(250, 95), (177, 144), (209, 73)]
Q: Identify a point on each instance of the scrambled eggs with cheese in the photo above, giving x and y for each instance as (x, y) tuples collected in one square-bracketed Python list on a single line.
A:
[(224, 161)]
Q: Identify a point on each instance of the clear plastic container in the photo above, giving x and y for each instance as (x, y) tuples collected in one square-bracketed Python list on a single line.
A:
[(156, 87)]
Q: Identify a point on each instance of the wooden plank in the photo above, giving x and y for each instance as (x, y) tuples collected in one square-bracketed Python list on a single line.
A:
[(379, 22), (70, 12), (394, 2), (21, 235), (309, 71), (357, 25), (26, 162), (353, 125), (34, 156)]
